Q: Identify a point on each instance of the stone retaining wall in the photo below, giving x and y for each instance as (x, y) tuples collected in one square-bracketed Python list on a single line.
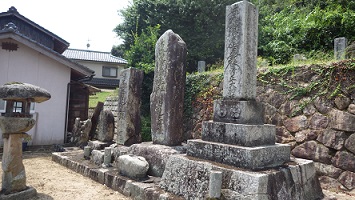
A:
[(318, 127)]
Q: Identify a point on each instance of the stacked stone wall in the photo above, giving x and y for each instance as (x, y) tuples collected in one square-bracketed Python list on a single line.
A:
[(318, 126)]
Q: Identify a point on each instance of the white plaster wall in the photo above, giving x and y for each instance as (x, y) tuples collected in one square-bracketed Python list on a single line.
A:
[(97, 67), (29, 66)]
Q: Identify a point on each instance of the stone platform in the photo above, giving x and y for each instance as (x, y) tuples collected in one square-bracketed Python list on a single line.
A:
[(253, 158), (145, 189), (189, 177), (23, 195)]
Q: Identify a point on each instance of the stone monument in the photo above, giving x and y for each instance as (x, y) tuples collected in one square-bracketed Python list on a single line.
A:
[(14, 124), (237, 143), (340, 45), (129, 104), (105, 126), (201, 66), (167, 98)]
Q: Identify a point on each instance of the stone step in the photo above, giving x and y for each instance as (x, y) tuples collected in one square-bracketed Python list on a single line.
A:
[(238, 134), (190, 177), (253, 158), (238, 112)]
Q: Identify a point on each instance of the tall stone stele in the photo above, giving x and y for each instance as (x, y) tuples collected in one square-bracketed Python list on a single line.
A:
[(13, 126), (167, 98), (129, 104)]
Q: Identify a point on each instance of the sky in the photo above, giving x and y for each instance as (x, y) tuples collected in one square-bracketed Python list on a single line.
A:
[(76, 21)]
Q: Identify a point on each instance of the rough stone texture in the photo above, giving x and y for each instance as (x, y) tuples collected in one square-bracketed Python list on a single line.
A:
[(351, 109), (156, 155), (16, 124), (81, 131), (327, 170), (350, 143), (344, 160), (129, 102), (342, 121), (14, 175), (283, 135), (167, 98), (340, 45), (323, 105), (240, 112), (189, 178), (97, 156), (106, 126), (215, 184), (245, 157), (332, 138), (26, 194), (329, 183), (296, 124), (20, 91), (313, 151), (342, 102), (238, 134), (98, 145), (201, 66), (347, 179), (133, 166), (318, 121), (241, 41)]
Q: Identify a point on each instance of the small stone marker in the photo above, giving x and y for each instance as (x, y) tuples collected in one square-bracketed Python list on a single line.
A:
[(340, 45), (201, 66), (167, 98), (129, 102), (215, 184), (87, 152), (107, 157), (106, 126), (133, 166)]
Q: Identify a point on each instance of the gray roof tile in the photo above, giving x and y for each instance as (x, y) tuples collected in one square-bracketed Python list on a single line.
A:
[(88, 55)]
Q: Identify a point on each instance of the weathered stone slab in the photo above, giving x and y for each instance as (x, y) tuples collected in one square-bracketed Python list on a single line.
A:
[(129, 102), (239, 112), (167, 98), (98, 145), (106, 126), (156, 155), (340, 45), (241, 39), (332, 138), (189, 178), (238, 134), (342, 121), (245, 157), (344, 160), (350, 143), (313, 151)]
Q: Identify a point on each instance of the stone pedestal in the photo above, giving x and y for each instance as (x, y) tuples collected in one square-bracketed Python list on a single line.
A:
[(14, 175)]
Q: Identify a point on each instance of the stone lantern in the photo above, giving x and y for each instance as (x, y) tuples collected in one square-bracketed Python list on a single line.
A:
[(14, 123)]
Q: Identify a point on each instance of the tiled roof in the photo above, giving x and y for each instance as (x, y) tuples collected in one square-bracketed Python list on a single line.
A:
[(79, 54), (103, 82)]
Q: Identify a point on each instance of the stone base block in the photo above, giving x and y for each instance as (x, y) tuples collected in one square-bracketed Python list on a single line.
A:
[(156, 155), (253, 158), (23, 195), (238, 112), (189, 177), (238, 134), (98, 145)]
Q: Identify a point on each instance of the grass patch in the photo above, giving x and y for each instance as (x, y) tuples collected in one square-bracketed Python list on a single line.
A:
[(100, 97)]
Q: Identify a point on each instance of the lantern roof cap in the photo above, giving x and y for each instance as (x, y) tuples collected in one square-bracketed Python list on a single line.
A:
[(18, 91)]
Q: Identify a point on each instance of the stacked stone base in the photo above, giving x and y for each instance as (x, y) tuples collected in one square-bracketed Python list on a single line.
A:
[(189, 177), (23, 195)]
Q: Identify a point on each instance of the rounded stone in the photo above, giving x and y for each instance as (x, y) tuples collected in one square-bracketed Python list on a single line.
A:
[(23, 91)]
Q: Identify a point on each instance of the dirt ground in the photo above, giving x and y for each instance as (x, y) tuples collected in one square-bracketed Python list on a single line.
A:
[(55, 182)]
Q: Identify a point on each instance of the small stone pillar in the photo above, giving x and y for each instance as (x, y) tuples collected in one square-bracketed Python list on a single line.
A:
[(87, 152), (14, 125), (167, 98), (107, 157), (340, 45), (201, 66), (215, 184)]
